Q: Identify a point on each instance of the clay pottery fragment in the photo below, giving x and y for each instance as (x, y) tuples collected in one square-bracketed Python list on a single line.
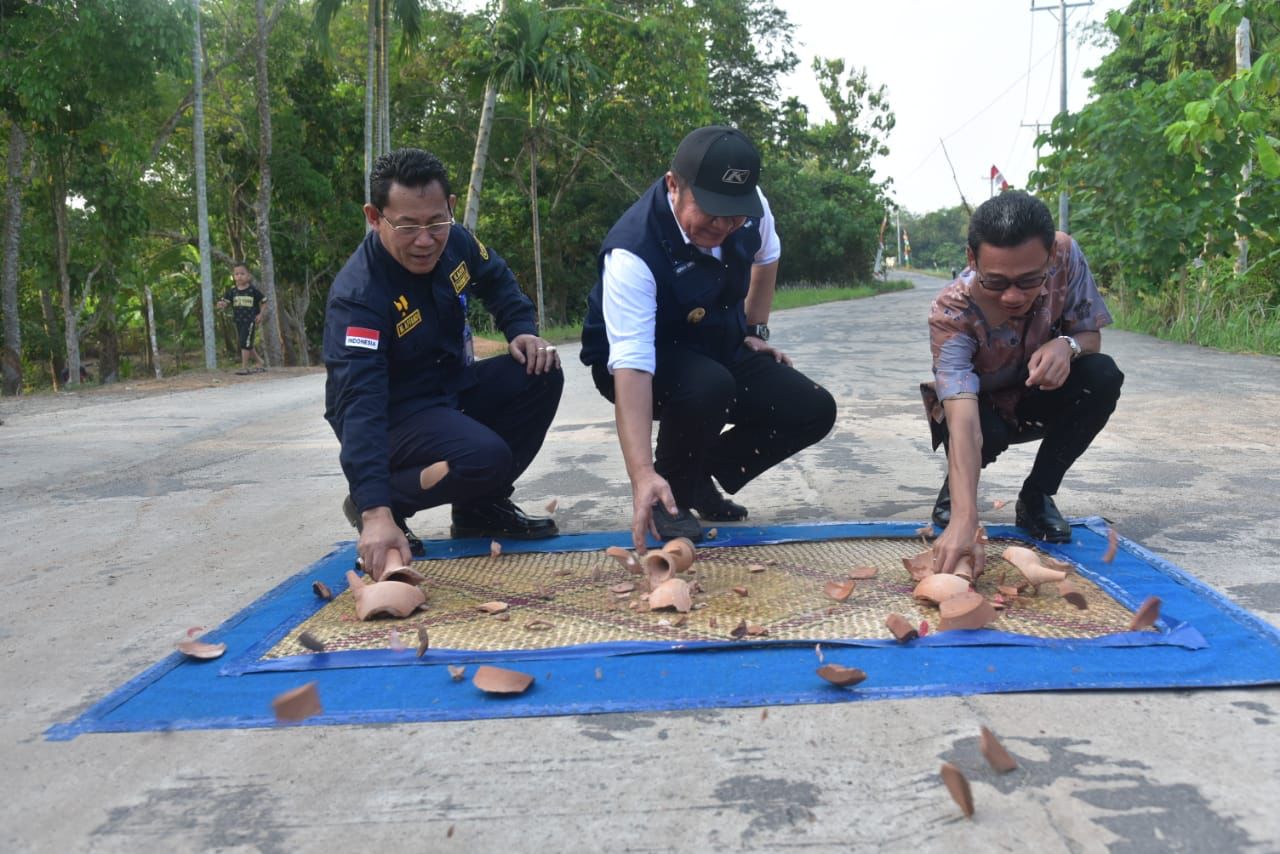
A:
[(1072, 594), (625, 558), (496, 680), (756, 567), (659, 566), (298, 704), (384, 598), (838, 590), (1007, 590), (965, 611), (682, 553), (742, 591), (539, 625), (200, 649), (842, 676), (924, 628), (998, 504), (311, 642), (1113, 543), (926, 532), (622, 587), (713, 622), (939, 588), (424, 641), (672, 593), (679, 621), (406, 574), (861, 573), (713, 533), (958, 786), (495, 548), (739, 631), (1028, 563), (502, 618), (195, 630), (964, 568), (919, 565), (322, 590), (902, 630), (1146, 615), (756, 631), (492, 607), (552, 505), (457, 672), (997, 757)]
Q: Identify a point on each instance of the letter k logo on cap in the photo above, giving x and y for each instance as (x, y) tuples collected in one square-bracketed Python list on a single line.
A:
[(736, 176)]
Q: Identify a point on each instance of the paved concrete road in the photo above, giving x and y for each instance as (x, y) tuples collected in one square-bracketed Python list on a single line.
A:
[(128, 519)]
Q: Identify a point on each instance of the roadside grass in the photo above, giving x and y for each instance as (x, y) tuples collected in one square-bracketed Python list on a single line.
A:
[(1238, 329)]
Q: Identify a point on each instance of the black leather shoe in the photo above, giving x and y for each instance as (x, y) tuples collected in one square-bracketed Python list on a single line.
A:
[(680, 525), (1039, 515), (711, 506), (415, 545), (942, 507), (500, 518)]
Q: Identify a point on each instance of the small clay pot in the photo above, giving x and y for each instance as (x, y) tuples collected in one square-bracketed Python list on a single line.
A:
[(965, 611), (939, 588), (682, 551), (659, 566), (384, 598)]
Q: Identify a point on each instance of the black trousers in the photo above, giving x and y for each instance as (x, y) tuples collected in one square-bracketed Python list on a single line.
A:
[(1068, 419), (488, 441), (775, 411)]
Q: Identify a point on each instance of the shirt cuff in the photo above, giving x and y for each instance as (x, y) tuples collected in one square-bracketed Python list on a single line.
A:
[(633, 355)]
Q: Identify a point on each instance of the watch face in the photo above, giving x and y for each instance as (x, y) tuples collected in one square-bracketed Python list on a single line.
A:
[(759, 330)]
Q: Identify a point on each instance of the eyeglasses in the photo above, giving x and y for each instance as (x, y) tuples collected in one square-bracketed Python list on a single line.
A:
[(1026, 283), (435, 229)]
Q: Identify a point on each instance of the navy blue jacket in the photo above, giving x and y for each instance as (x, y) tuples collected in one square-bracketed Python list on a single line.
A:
[(701, 300), (394, 345)]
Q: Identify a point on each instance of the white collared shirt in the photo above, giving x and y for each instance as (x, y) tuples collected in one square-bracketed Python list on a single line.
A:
[(630, 298)]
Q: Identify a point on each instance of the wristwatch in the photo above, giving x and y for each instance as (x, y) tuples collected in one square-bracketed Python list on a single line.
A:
[(1075, 347), (759, 330)]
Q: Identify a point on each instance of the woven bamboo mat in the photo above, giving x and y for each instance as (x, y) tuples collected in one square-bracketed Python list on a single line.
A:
[(564, 599)]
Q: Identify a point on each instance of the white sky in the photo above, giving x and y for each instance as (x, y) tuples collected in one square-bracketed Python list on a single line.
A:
[(955, 69)]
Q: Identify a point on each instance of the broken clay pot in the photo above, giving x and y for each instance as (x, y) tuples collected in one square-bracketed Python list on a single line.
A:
[(200, 649), (842, 676), (901, 628), (624, 557), (682, 551), (1146, 615), (861, 573), (997, 757), (659, 566), (939, 588), (965, 611), (839, 590), (919, 565), (298, 704), (1072, 594), (405, 574), (384, 598), (672, 593), (496, 680), (1028, 563), (958, 786)]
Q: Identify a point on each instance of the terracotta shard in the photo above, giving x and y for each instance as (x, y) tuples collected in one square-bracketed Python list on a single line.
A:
[(539, 625), (739, 631), (1028, 563), (1072, 594), (424, 641), (965, 611), (742, 591), (457, 672), (624, 557), (924, 628), (493, 607), (495, 548), (756, 567), (1113, 543), (958, 785), (679, 621), (298, 704), (926, 532), (919, 565), (1146, 615), (406, 574), (756, 631), (322, 590), (496, 680), (200, 649), (998, 503), (1007, 590), (195, 630), (939, 588), (384, 598), (622, 587), (713, 622), (311, 642), (552, 505), (997, 757), (713, 533), (838, 590), (672, 593), (861, 573), (842, 676), (682, 553), (902, 630)]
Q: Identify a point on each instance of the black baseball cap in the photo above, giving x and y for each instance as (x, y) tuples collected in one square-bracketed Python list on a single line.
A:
[(722, 167)]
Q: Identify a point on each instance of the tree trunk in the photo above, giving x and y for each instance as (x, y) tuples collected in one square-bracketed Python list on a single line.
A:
[(70, 324), (151, 331), (384, 81), (371, 77), (271, 331), (11, 372), (537, 236), (202, 200)]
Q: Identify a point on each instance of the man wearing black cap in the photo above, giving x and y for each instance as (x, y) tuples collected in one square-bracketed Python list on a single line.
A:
[(677, 329)]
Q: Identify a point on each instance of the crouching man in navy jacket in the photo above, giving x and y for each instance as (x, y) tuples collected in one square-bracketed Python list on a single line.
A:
[(420, 422), (676, 329)]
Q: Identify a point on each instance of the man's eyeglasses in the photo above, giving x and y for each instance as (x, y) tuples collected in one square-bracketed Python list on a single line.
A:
[(1026, 283), (435, 229)]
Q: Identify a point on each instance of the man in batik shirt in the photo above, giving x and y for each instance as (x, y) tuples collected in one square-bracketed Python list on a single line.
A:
[(1016, 346)]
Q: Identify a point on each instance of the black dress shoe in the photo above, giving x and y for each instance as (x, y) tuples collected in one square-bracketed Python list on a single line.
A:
[(500, 518), (942, 507), (683, 524), (1038, 514), (714, 507), (353, 516)]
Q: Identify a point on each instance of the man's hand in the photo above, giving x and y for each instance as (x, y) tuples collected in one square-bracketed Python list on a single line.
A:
[(645, 490), (536, 354), (953, 544), (759, 345), (1050, 366), (382, 544)]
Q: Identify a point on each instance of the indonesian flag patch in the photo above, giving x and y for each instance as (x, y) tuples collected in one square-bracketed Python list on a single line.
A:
[(358, 336)]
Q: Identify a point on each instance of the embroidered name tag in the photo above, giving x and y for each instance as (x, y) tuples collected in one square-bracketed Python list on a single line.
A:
[(359, 336), (684, 268), (459, 277), (406, 324)]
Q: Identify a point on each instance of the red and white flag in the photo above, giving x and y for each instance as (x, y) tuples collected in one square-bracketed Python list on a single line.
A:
[(996, 176)]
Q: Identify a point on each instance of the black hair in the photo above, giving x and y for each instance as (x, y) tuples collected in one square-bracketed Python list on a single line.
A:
[(408, 167), (1011, 219), (245, 264)]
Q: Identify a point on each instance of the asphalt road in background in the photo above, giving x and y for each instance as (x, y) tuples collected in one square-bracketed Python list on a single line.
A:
[(129, 517)]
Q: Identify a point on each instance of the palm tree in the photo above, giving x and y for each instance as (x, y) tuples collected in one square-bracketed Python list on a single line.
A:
[(377, 125), (532, 58)]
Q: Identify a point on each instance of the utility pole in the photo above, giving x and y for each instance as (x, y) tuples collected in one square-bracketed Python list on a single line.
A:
[(1244, 61), (1061, 9), (897, 226)]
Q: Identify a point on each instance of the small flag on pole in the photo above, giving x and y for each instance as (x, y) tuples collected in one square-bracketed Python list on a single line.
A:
[(997, 177)]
